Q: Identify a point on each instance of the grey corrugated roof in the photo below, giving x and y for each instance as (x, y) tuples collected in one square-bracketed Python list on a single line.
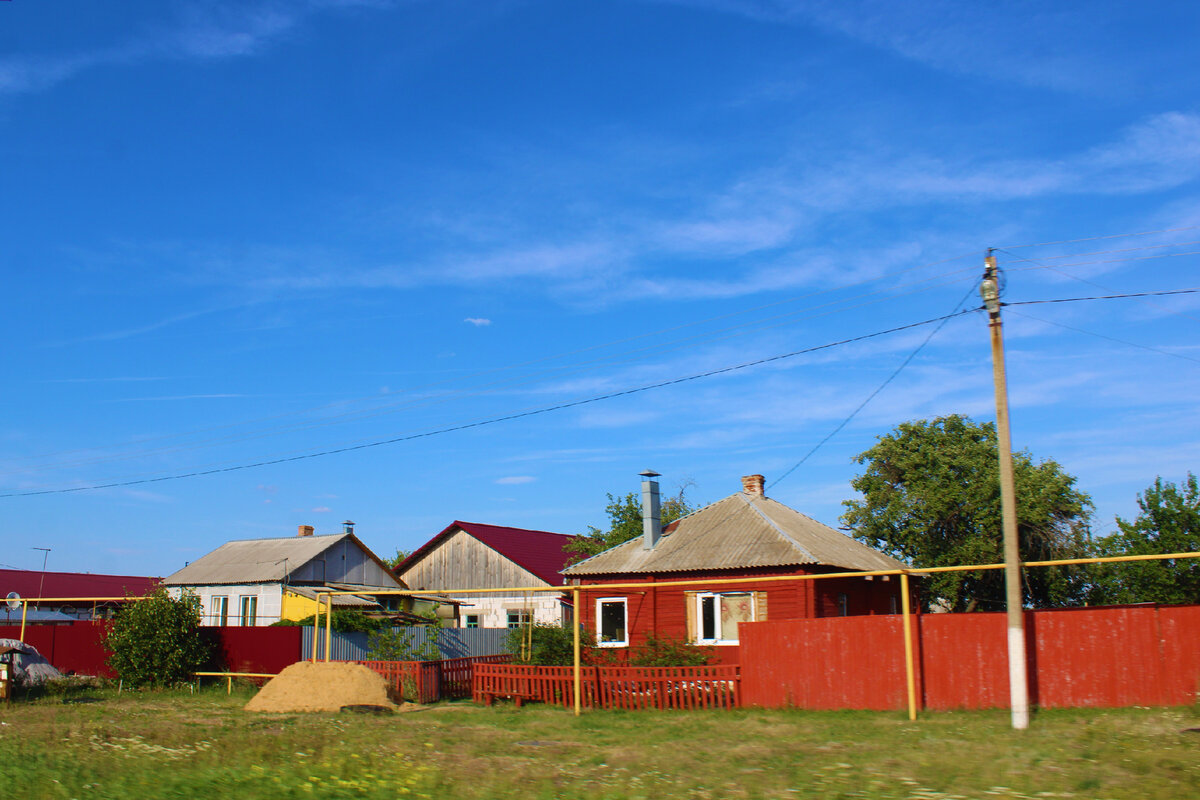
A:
[(740, 532), (253, 560)]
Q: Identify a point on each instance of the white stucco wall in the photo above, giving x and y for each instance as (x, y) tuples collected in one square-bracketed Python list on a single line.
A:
[(493, 609), (269, 601)]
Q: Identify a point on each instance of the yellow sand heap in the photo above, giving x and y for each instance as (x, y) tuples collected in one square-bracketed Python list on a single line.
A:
[(305, 686)]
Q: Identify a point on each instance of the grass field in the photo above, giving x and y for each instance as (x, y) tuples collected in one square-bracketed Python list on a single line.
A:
[(177, 745)]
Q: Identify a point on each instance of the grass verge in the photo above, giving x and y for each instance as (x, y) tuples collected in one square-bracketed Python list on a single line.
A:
[(172, 744)]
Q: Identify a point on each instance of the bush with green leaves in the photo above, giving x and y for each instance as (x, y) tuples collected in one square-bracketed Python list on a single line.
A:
[(342, 620), (546, 645), (156, 641), (666, 651), (398, 644)]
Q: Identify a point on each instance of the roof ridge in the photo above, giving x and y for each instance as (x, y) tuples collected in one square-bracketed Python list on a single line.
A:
[(776, 527)]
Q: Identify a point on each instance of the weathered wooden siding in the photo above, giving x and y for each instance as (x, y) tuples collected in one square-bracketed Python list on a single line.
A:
[(344, 562), (464, 562)]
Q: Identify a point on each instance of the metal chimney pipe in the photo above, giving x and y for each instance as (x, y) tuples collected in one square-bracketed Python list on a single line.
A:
[(651, 516)]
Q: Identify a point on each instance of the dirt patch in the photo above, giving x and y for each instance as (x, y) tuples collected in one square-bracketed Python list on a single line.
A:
[(323, 686)]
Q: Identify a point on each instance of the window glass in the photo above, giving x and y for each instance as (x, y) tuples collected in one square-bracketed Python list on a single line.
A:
[(610, 621), (720, 614), (472, 620), (249, 611), (517, 618), (220, 610)]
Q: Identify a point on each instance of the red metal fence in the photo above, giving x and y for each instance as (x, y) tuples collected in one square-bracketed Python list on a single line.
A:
[(429, 681), (613, 687), (79, 647), (1106, 657)]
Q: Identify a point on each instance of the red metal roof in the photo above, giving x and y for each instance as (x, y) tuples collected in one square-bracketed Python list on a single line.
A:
[(30, 583), (540, 552)]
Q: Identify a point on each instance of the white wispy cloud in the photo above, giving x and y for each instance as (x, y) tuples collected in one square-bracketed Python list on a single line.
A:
[(514, 480), (199, 32), (321, 510), (478, 322)]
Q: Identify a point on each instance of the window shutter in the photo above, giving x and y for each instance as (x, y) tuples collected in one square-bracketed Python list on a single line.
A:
[(689, 601), (760, 606)]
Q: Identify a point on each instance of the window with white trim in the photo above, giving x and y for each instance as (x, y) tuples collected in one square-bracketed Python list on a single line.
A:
[(248, 610), (611, 616), (718, 616), (517, 618), (219, 609), (471, 621)]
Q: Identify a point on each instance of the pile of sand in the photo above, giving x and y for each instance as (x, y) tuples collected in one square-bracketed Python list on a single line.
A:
[(323, 686)]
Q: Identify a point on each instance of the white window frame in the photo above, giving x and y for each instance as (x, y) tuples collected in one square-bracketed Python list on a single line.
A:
[(248, 610), (624, 603), (719, 636), (219, 605)]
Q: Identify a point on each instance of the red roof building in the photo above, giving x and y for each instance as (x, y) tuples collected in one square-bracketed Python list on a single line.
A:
[(470, 555), (68, 591)]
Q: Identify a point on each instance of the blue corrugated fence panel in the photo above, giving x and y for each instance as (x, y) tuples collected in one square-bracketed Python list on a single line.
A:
[(452, 642)]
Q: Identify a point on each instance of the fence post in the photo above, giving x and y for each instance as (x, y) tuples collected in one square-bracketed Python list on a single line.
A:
[(909, 672)]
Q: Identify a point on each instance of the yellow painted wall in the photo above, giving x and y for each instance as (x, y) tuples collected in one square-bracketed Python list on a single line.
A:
[(296, 607)]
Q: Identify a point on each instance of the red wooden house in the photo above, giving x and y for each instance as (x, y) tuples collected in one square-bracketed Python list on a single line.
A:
[(745, 535)]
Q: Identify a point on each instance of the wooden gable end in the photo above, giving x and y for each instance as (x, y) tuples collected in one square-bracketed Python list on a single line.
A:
[(460, 561)]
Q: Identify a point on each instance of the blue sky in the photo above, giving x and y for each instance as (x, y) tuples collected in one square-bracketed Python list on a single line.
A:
[(242, 232)]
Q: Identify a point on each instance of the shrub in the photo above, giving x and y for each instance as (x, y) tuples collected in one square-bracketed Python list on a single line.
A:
[(343, 620), (156, 641), (669, 652), (396, 644)]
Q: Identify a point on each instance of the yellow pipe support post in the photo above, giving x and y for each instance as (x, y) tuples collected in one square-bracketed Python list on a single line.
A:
[(316, 627), (909, 670), (328, 625), (24, 608), (577, 675)]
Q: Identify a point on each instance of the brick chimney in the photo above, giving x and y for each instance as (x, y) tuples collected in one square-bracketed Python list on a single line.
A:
[(305, 530), (753, 485)]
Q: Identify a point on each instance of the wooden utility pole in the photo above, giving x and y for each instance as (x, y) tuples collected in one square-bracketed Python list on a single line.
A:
[(1018, 680)]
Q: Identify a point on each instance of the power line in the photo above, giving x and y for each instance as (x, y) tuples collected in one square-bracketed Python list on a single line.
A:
[(878, 389), (495, 420), (1101, 297), (1109, 338), (1099, 238)]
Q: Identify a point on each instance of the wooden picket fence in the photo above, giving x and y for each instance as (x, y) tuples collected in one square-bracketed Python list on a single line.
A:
[(611, 687), (430, 681)]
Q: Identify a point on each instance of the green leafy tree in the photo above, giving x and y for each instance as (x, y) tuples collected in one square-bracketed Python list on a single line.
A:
[(156, 642), (1168, 522), (395, 561), (625, 523), (931, 497)]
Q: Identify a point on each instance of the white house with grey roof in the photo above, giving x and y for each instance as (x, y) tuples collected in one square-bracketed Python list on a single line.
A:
[(260, 581)]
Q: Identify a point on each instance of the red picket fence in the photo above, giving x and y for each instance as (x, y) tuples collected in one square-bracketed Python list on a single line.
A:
[(632, 688), (412, 680), (457, 674), (430, 681)]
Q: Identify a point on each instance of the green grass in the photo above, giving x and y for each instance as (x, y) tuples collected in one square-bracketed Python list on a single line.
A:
[(171, 744)]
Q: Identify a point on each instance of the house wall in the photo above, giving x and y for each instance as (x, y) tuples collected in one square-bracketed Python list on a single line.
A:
[(546, 608), (461, 561), (343, 562), (665, 612), (269, 601)]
